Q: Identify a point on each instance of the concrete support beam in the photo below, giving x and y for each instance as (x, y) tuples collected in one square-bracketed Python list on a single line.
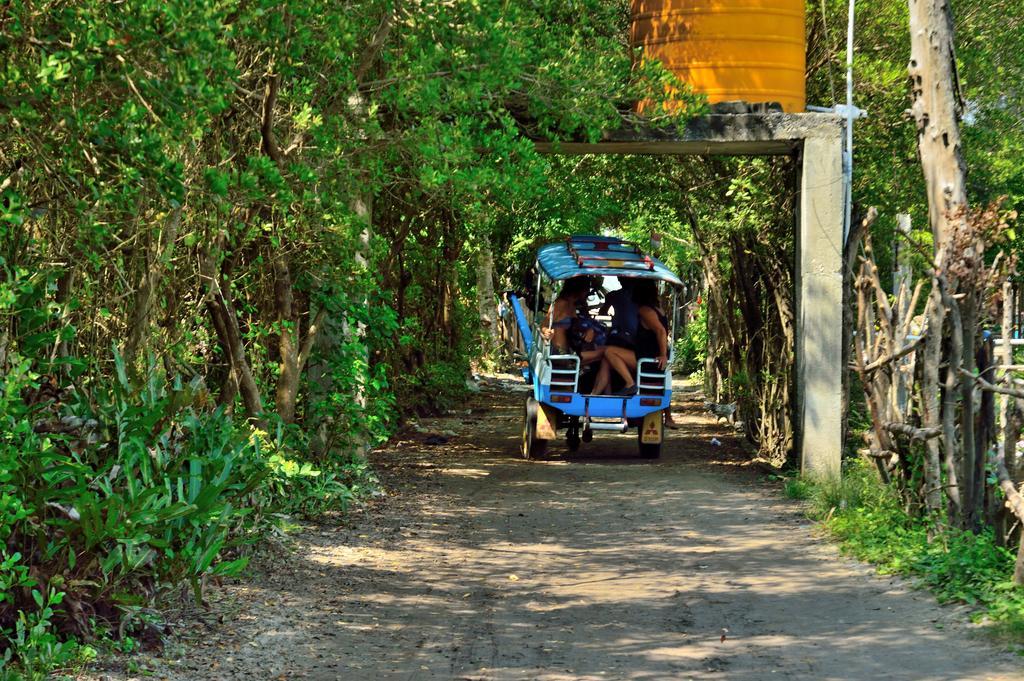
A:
[(820, 307), (773, 134)]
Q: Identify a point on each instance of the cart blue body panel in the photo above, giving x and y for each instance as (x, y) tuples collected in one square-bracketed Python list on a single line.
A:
[(603, 406)]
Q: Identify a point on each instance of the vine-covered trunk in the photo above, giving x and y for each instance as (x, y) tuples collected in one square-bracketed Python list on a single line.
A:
[(293, 348), (155, 259)]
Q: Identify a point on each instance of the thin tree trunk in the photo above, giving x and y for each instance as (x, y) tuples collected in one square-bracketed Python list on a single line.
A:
[(153, 268), (903, 284), (931, 357), (225, 322), (953, 445), (971, 487), (486, 300), (850, 250), (935, 108), (984, 435), (288, 329), (65, 283)]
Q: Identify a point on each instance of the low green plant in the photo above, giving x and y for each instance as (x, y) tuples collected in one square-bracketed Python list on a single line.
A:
[(111, 498), (796, 488), (858, 487), (38, 646), (118, 491), (298, 487)]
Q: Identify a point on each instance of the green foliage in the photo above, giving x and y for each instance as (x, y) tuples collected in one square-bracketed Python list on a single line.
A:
[(435, 387), (134, 488), (797, 488), (692, 345), (990, 54), (112, 495), (142, 493), (35, 642), (867, 518), (298, 487)]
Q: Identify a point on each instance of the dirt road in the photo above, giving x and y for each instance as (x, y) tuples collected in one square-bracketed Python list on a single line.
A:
[(479, 565)]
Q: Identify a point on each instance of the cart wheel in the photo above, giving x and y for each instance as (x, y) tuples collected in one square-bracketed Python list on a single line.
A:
[(647, 451), (588, 435), (572, 433), (531, 446)]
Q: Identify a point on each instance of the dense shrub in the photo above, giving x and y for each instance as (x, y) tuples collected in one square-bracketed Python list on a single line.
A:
[(107, 502), (433, 388), (114, 492)]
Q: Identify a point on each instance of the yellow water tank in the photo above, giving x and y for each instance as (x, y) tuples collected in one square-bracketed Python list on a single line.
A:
[(730, 50)]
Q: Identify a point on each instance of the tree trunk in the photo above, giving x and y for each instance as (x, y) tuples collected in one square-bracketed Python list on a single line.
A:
[(155, 261), (288, 330), (850, 251), (486, 300), (903, 284), (225, 321), (971, 488), (936, 107), (328, 333), (931, 358)]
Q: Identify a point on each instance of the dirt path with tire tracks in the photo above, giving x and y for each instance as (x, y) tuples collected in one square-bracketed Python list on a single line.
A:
[(479, 565)]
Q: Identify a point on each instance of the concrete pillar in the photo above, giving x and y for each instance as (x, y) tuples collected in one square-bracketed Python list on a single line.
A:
[(820, 307)]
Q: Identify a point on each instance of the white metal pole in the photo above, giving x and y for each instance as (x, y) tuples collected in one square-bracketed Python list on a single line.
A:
[(848, 155)]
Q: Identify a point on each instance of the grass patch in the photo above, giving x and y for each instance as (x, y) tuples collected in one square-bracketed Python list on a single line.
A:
[(870, 524), (797, 488)]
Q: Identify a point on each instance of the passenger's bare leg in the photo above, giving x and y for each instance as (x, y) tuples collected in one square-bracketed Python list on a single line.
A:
[(590, 356), (620, 360), (670, 423), (602, 379)]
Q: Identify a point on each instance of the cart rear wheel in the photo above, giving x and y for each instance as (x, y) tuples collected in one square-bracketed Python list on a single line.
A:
[(572, 433), (647, 451), (532, 447)]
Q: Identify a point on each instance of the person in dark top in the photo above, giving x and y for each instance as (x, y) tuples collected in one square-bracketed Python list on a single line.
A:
[(625, 319), (651, 340)]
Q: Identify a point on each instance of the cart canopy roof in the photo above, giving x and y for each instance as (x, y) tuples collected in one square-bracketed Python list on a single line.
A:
[(600, 256)]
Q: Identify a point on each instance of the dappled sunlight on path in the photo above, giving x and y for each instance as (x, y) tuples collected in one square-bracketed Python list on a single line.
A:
[(484, 566)]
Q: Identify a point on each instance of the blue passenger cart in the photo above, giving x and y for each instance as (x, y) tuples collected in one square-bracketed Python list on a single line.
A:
[(560, 400)]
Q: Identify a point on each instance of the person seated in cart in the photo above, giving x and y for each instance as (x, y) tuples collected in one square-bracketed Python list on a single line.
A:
[(624, 317), (563, 315), (650, 340)]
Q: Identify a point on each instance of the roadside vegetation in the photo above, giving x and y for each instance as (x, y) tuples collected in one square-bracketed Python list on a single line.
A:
[(871, 524)]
